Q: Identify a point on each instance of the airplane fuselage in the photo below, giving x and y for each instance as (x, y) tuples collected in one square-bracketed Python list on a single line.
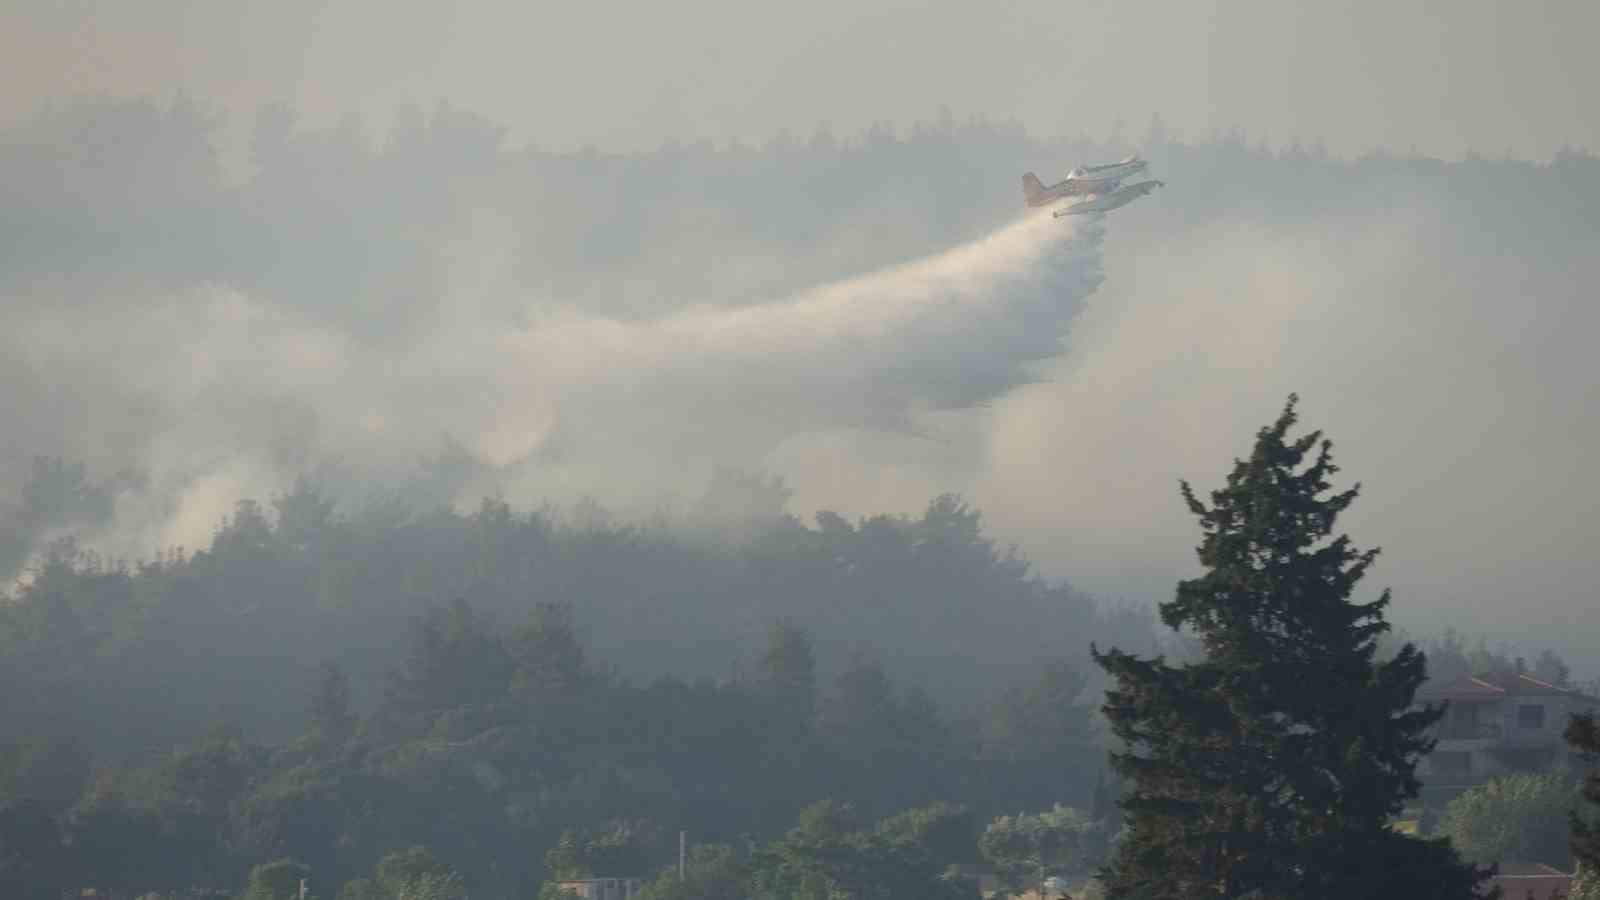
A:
[(1081, 182), (1044, 195), (1110, 200)]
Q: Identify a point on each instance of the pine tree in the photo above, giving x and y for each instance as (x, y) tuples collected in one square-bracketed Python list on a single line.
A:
[(1272, 766), (1583, 735), (788, 673), (331, 717), (1100, 808)]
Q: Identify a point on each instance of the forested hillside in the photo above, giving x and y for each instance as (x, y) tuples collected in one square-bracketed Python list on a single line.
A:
[(334, 686), (253, 614)]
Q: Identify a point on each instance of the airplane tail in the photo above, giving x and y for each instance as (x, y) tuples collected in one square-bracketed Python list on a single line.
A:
[(1032, 189)]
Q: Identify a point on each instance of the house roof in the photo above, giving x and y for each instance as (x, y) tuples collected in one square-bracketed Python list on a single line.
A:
[(1494, 687), (1517, 880), (1519, 869)]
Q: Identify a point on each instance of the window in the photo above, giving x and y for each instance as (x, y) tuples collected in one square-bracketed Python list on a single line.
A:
[(1530, 717)]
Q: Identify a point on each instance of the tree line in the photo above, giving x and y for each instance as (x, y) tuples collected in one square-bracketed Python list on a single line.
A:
[(500, 753), (335, 686)]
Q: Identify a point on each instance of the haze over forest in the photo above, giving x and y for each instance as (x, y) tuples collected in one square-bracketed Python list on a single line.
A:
[(463, 426), (855, 314)]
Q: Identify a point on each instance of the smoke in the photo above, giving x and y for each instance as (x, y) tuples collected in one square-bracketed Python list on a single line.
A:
[(1438, 332), (239, 396), (551, 326)]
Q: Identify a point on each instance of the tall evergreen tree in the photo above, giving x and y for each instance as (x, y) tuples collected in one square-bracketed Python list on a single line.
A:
[(549, 659), (788, 672), (1583, 735), (1272, 766), (331, 718)]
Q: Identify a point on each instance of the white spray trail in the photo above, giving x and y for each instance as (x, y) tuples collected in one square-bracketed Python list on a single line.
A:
[(242, 395), (947, 332)]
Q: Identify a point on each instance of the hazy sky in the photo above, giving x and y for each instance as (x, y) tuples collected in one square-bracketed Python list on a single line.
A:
[(1443, 76)]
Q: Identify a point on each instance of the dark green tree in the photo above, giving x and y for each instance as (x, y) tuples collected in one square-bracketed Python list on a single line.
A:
[(277, 880), (412, 874), (49, 768), (331, 718), (548, 659), (1040, 718), (787, 673), (116, 846), (1030, 848), (454, 661), (825, 858), (418, 873), (624, 848), (1514, 817), (713, 872), (304, 517), (1102, 807), (1273, 764), (862, 702), (1583, 735), (948, 830), (33, 861)]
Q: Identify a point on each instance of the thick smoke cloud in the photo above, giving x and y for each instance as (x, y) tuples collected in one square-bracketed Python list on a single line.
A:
[(230, 385), (251, 395), (1436, 322), (866, 318)]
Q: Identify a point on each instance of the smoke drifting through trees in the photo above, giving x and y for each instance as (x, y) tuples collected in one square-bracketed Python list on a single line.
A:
[(172, 725), (308, 343), (140, 288)]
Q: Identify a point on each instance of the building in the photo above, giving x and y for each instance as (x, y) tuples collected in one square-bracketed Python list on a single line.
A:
[(1530, 881), (602, 888), (1497, 725)]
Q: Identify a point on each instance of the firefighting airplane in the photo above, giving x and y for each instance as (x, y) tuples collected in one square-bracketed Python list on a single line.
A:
[(1100, 186), (1082, 181)]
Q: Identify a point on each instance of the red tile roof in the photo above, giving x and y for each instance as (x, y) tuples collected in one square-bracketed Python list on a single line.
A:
[(1464, 688), (1520, 869), (1520, 880), (1490, 687)]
